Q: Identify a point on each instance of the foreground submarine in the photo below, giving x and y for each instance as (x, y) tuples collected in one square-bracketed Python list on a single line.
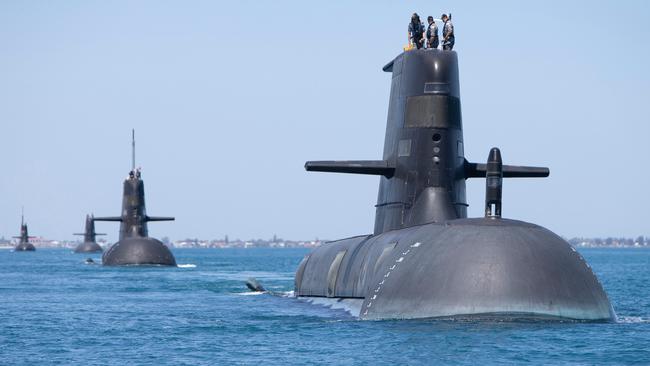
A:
[(23, 245), (135, 247), (426, 259), (89, 244)]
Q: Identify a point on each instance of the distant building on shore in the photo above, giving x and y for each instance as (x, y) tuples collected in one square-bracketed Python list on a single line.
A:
[(276, 242), (639, 242)]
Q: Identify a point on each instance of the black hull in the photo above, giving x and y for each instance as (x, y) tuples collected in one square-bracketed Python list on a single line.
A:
[(88, 248), (24, 247), (138, 251), (460, 267)]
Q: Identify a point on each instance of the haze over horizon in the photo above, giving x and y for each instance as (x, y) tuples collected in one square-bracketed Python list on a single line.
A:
[(229, 100)]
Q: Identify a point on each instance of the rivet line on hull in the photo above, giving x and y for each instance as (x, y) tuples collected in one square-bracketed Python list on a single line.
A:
[(390, 269)]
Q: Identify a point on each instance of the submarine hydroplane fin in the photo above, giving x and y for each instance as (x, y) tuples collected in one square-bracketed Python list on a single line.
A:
[(474, 170), (372, 167), (108, 218), (159, 218)]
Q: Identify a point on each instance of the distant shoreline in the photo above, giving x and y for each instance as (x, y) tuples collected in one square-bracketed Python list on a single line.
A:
[(305, 247)]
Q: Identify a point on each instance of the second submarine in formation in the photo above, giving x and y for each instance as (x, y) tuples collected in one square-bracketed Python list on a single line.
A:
[(135, 247), (89, 244), (425, 258)]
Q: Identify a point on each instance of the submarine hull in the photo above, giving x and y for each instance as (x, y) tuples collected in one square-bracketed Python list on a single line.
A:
[(88, 247), (459, 267), (24, 247), (138, 251)]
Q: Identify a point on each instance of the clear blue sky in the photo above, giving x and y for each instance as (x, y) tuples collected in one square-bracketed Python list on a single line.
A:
[(229, 99)]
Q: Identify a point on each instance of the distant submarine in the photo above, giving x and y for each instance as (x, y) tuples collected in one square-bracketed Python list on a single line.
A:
[(135, 247), (24, 245), (426, 259), (89, 244)]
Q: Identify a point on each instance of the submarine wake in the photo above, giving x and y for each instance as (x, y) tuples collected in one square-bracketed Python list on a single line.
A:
[(350, 306), (632, 319)]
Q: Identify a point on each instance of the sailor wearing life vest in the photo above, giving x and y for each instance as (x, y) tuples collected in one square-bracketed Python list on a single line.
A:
[(448, 38), (416, 31), (432, 33)]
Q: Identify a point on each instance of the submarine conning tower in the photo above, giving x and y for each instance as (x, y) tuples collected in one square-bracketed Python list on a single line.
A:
[(134, 213), (134, 219), (135, 247), (426, 259), (423, 169), (424, 140)]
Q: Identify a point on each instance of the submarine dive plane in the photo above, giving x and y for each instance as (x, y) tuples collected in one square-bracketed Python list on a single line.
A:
[(135, 247), (426, 259), (89, 244), (23, 245)]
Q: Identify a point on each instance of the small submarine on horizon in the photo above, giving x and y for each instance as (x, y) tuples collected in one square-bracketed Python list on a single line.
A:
[(89, 245), (24, 245), (134, 246), (426, 259)]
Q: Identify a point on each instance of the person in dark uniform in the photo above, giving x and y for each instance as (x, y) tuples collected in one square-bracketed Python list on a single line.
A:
[(432, 33), (448, 38), (416, 31)]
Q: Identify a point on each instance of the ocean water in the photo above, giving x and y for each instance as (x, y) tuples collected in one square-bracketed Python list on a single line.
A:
[(54, 309)]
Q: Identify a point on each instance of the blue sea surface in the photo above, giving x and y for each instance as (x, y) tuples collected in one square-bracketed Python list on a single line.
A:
[(54, 309)]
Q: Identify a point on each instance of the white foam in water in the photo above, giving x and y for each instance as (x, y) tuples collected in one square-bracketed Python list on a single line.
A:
[(352, 306), (186, 266), (632, 319), (252, 293)]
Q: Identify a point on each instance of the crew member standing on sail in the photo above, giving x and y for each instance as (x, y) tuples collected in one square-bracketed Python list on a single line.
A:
[(447, 33), (416, 31), (432, 33)]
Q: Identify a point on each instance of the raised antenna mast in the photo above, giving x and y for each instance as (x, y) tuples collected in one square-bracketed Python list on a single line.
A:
[(133, 149), (22, 215)]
